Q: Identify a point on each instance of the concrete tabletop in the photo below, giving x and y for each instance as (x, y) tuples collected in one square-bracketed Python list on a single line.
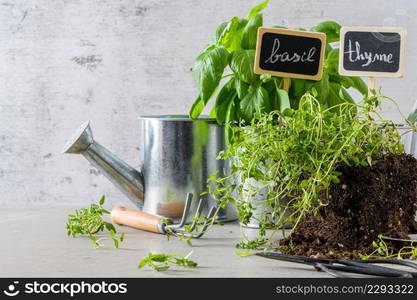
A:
[(34, 243)]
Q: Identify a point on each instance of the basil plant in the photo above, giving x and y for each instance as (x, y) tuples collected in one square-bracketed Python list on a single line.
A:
[(241, 94)]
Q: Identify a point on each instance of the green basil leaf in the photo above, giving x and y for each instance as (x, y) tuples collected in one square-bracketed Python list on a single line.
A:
[(196, 108), (334, 95), (213, 113), (250, 32), (350, 82), (254, 103), (218, 33), (232, 111), (327, 50), (231, 116), (225, 96), (360, 85), (265, 77), (297, 88), (232, 34), (330, 28), (412, 117), (331, 63), (208, 70), (344, 95), (273, 97), (271, 85), (258, 8), (284, 100), (342, 80), (241, 63), (241, 88), (322, 87)]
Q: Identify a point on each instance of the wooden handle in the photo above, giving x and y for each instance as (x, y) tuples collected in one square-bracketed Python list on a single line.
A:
[(371, 85), (287, 83), (137, 219)]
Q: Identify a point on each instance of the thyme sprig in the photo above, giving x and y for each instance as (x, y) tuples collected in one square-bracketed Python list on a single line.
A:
[(89, 221), (382, 250), (162, 262)]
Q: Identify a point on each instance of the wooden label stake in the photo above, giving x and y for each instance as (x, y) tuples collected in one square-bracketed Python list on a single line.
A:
[(371, 85), (286, 85)]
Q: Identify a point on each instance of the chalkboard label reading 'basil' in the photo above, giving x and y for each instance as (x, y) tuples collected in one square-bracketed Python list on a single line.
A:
[(290, 53), (370, 51)]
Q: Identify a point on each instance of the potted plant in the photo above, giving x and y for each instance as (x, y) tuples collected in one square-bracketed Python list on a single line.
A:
[(343, 174), (240, 95)]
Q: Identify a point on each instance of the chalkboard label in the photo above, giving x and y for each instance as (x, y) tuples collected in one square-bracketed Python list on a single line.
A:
[(372, 51), (290, 53)]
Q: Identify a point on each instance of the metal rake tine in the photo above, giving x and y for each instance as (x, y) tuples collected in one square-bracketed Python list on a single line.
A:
[(194, 224), (207, 222), (185, 213), (197, 214)]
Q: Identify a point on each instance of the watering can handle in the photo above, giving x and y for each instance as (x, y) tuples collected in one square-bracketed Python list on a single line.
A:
[(138, 219)]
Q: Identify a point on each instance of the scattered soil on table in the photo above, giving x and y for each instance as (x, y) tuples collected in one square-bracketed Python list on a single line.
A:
[(367, 201)]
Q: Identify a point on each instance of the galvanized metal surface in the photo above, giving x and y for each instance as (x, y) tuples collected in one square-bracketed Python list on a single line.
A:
[(126, 178), (179, 155)]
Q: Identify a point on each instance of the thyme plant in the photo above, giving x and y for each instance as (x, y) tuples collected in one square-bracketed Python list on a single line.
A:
[(290, 159)]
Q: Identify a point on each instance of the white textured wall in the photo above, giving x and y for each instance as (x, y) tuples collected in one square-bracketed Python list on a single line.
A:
[(66, 61)]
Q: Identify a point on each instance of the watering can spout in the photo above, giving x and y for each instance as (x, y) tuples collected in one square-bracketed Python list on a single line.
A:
[(126, 178)]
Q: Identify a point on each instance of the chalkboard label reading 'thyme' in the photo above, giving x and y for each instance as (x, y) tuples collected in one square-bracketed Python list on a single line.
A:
[(290, 53), (371, 51)]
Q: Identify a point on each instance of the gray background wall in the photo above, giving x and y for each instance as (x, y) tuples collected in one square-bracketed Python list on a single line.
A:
[(66, 61)]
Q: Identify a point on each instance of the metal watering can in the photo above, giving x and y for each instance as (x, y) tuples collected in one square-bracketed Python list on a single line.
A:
[(178, 156)]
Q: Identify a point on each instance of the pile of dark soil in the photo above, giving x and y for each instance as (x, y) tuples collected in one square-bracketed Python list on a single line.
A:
[(367, 201)]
